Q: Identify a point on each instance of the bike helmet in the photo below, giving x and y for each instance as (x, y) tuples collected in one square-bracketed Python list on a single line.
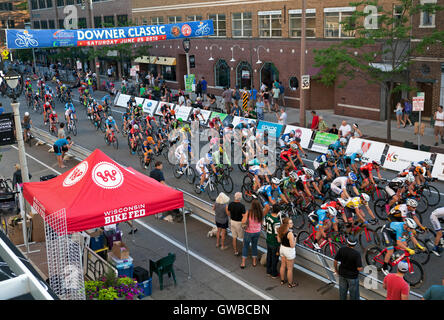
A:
[(330, 153), (37, 93), (410, 177), (309, 172), (293, 175), (376, 162), (26, 114), (352, 177), (297, 139), (140, 105), (180, 120), (292, 132), (410, 223), (110, 118), (412, 203), (209, 157), (359, 152), (53, 112), (343, 140), (293, 147), (365, 197), (342, 202), (136, 127), (47, 103), (275, 180), (332, 211), (428, 162)]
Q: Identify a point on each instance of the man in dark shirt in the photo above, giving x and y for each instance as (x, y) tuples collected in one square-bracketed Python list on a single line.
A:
[(351, 265), (333, 130), (157, 173), (235, 211)]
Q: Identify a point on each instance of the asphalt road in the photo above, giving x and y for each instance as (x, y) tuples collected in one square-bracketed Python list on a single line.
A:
[(91, 139)]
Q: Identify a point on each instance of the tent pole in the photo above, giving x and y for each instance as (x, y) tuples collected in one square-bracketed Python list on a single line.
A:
[(186, 242)]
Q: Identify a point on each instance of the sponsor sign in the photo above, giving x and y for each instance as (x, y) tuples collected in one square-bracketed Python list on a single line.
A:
[(107, 176), (206, 114), (7, 129), (438, 167), (149, 106), (53, 38), (159, 107), (138, 101), (221, 116), (322, 141), (122, 100), (189, 81), (183, 112), (372, 150), (76, 175), (398, 158), (303, 133), (125, 213), (274, 129), (418, 103), (237, 120)]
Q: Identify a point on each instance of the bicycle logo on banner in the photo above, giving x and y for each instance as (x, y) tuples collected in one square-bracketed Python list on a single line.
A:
[(106, 175), (25, 40), (202, 29)]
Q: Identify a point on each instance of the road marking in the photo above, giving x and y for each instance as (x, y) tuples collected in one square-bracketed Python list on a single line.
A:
[(223, 271), (38, 161)]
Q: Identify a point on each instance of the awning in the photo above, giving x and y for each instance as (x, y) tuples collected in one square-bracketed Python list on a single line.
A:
[(168, 61)]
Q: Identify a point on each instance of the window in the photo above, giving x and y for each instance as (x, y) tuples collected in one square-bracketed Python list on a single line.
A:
[(108, 21), (295, 18), (294, 83), (98, 22), (36, 24), (34, 5), (42, 4), (220, 24), (333, 22), (122, 20), (242, 24), (270, 25), (397, 14), (427, 16), (82, 23), (11, 24), (243, 75), (154, 20), (169, 73), (222, 74), (269, 74), (61, 26), (174, 19), (44, 24), (60, 3), (69, 2), (49, 3), (51, 24), (194, 18)]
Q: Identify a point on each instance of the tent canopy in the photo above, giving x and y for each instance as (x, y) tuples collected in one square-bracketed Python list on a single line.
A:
[(99, 192)]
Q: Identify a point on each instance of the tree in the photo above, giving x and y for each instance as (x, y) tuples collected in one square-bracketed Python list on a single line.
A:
[(376, 27)]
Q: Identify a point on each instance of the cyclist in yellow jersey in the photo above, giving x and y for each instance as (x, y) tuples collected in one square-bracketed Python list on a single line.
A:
[(354, 205)]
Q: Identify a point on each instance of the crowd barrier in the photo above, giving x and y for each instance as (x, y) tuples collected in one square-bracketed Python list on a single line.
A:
[(391, 157)]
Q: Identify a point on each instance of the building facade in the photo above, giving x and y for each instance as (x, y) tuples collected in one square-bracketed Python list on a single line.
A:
[(14, 14)]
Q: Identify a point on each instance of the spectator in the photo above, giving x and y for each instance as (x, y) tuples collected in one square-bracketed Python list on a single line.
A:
[(344, 130), (253, 96), (287, 251), (351, 265), (333, 129), (276, 92), (266, 96), (281, 94), (204, 85), (17, 176), (397, 288), (110, 72), (181, 100), (221, 211), (198, 89), (323, 127), (399, 111), (1, 108), (61, 131), (236, 110), (282, 117), (227, 95), (235, 211), (272, 223), (356, 132), (407, 112), (252, 219), (439, 125), (314, 121), (236, 96), (142, 91), (435, 292), (157, 173), (260, 108), (61, 146)]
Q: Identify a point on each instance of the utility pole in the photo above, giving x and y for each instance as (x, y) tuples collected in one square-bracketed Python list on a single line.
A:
[(96, 59), (302, 120)]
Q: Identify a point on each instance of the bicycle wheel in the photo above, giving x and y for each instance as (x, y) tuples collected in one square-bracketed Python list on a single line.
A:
[(212, 191), (415, 276), (298, 218), (379, 208), (102, 125), (176, 172), (191, 175), (367, 239), (74, 128), (227, 184), (379, 193), (197, 188), (330, 249), (242, 167), (373, 257), (303, 239), (432, 194), (115, 143), (142, 162), (106, 140), (122, 129), (247, 193), (423, 205), (421, 256)]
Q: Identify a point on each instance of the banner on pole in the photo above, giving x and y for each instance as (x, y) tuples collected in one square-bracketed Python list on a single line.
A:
[(54, 38)]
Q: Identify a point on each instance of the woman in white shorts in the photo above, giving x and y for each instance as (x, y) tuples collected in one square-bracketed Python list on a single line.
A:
[(287, 251)]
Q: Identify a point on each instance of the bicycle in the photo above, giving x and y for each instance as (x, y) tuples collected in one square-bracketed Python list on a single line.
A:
[(72, 125), (290, 210), (53, 128), (188, 171), (224, 178), (112, 139), (431, 193), (375, 256), (430, 241), (210, 186), (143, 164), (328, 247)]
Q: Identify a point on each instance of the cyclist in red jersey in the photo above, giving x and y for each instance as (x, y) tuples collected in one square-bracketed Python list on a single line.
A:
[(287, 156), (135, 137), (47, 110), (367, 173)]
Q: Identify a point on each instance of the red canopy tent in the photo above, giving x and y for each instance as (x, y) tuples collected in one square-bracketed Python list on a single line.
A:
[(99, 192)]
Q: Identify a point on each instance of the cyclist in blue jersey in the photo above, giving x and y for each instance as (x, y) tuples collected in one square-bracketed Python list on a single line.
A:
[(322, 165), (323, 220), (110, 123), (265, 194), (353, 161), (338, 147), (70, 109), (286, 138), (396, 234)]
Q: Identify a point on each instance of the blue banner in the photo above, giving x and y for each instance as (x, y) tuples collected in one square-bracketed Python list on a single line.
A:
[(274, 129), (31, 38)]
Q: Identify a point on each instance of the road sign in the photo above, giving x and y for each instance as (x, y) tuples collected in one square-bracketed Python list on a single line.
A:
[(418, 102), (5, 55), (305, 82)]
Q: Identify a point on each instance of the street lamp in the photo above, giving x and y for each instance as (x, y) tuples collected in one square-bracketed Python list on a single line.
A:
[(211, 49), (257, 49), (187, 46), (232, 51)]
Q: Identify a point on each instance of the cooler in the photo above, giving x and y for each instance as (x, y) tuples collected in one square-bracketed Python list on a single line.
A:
[(97, 243), (124, 267), (146, 286)]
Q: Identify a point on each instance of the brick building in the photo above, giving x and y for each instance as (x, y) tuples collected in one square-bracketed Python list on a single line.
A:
[(266, 31), (13, 15)]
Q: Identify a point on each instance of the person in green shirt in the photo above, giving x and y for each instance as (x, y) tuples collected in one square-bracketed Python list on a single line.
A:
[(322, 126), (435, 292), (142, 91), (272, 223)]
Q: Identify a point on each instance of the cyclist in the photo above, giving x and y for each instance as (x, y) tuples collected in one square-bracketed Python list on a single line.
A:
[(202, 169), (338, 147), (131, 103), (147, 151), (137, 111), (265, 194), (402, 211), (181, 154), (36, 99), (352, 161), (305, 181), (53, 120), (27, 123), (297, 141), (339, 205), (196, 115), (323, 220), (110, 123), (288, 155), (286, 138), (322, 165), (355, 204), (70, 109), (397, 187), (339, 185), (393, 235), (126, 118), (47, 110), (435, 217), (48, 96), (366, 172), (134, 136), (256, 169), (288, 186)]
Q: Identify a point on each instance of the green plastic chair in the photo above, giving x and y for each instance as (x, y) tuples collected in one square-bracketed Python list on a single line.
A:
[(163, 266)]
